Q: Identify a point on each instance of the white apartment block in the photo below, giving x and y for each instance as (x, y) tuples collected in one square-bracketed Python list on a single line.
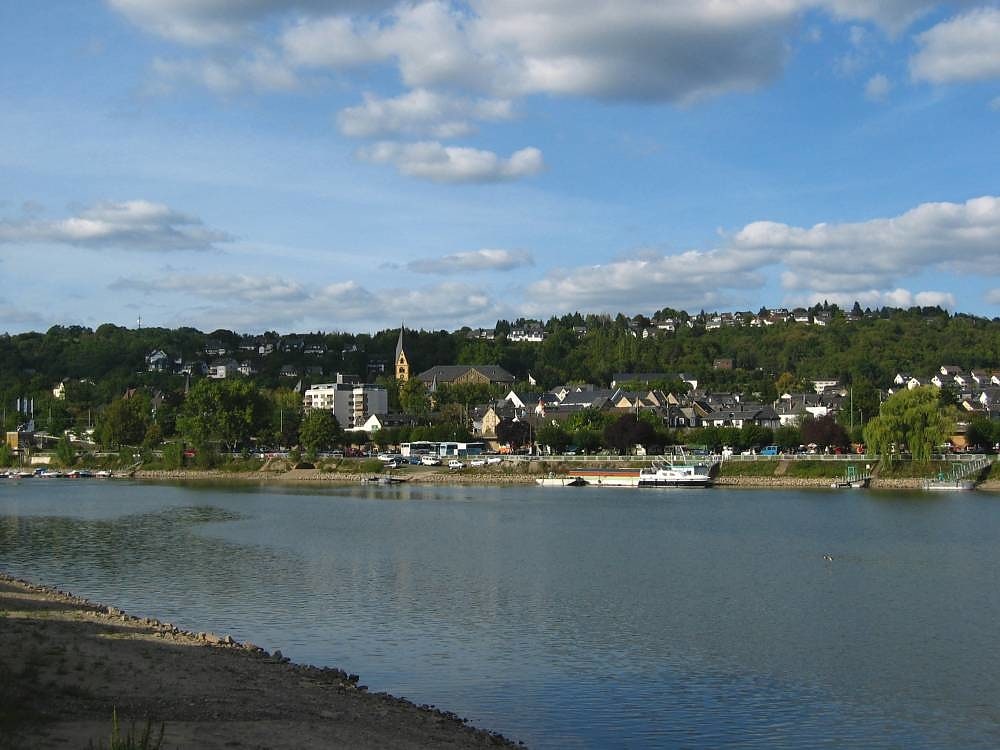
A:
[(351, 403)]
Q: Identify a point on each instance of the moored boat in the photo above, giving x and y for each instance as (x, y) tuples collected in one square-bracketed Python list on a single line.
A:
[(676, 475)]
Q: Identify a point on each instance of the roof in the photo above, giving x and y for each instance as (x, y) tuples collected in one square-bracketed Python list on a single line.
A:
[(451, 373)]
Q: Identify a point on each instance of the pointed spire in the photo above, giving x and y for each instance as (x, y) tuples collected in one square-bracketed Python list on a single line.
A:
[(399, 343)]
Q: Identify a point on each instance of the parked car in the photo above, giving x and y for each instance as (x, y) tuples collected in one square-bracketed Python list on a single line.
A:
[(477, 462), (494, 460), (415, 461), (430, 460), (455, 464), (394, 463)]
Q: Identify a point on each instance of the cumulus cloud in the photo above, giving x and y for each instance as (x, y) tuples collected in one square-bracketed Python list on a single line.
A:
[(840, 262), (433, 161), (877, 88), (690, 279), (470, 262), (671, 50), (420, 112), (215, 21), (134, 225), (964, 48), (256, 302), (960, 237)]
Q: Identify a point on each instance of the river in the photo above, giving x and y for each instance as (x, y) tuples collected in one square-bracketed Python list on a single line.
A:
[(590, 618)]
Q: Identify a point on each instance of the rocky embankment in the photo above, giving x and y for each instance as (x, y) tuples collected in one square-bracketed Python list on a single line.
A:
[(66, 664)]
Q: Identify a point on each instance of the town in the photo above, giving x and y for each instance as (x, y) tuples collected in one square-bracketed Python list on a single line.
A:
[(751, 383)]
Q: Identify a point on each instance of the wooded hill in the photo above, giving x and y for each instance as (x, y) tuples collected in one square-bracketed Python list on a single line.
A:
[(865, 352)]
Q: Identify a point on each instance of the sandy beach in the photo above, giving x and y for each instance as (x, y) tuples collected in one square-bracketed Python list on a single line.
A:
[(68, 663)]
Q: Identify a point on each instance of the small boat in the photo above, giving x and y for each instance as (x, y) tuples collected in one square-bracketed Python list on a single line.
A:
[(949, 485), (675, 475)]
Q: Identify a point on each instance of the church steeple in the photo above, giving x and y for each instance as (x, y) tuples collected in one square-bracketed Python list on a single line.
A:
[(402, 363)]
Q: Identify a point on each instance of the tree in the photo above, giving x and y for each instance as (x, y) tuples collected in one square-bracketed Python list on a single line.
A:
[(64, 452), (824, 431), (124, 422), (319, 431), (514, 433), (6, 455), (628, 431), (554, 436), (414, 398), (913, 418), (225, 410)]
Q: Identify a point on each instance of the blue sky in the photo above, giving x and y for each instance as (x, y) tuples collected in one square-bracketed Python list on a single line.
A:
[(329, 165)]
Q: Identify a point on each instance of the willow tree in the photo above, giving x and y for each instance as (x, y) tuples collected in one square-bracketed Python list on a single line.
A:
[(913, 418)]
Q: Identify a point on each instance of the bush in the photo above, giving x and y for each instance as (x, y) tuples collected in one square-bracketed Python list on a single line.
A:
[(206, 457)]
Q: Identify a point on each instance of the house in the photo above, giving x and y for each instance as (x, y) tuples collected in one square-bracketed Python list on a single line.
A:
[(764, 416), (195, 367), (533, 332), (247, 368), (220, 369), (821, 384), (288, 371), (59, 391), (158, 361), (215, 348), (485, 334), (723, 363), (314, 350)]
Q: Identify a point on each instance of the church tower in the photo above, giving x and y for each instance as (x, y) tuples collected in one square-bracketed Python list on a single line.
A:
[(402, 363)]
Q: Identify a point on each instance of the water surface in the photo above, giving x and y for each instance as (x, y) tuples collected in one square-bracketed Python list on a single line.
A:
[(570, 617)]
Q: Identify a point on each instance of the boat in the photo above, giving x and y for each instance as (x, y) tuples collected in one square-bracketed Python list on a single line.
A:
[(663, 474), (949, 485), (563, 481)]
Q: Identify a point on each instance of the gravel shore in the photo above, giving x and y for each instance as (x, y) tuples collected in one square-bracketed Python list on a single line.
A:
[(66, 664)]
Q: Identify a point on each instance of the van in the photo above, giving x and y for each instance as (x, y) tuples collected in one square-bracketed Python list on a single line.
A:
[(771, 450)]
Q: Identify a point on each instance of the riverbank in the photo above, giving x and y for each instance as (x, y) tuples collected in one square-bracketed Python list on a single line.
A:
[(68, 663), (506, 478)]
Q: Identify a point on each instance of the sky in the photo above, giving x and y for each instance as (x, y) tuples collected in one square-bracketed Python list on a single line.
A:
[(344, 165)]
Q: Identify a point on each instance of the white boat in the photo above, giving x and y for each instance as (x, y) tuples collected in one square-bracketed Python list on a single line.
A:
[(949, 485), (676, 475)]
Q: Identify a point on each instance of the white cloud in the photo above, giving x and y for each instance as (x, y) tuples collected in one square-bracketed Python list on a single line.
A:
[(242, 287), (420, 112), (470, 262), (964, 48), (840, 262), (894, 15), (433, 161), (134, 225), (898, 297), (878, 87), (248, 302), (691, 279)]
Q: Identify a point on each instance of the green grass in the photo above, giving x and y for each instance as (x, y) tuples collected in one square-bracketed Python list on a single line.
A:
[(822, 469), (915, 469), (747, 468)]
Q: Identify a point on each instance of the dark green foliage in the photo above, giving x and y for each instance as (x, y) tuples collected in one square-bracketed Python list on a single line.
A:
[(319, 432)]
